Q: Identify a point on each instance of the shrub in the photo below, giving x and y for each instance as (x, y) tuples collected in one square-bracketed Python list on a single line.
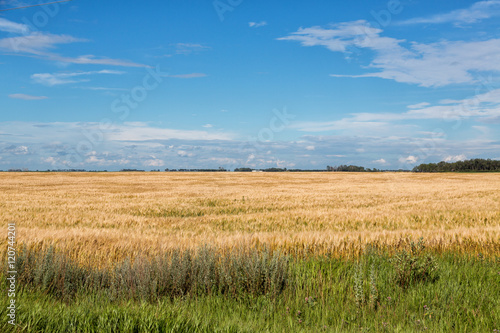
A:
[(414, 265), (366, 291), (176, 274)]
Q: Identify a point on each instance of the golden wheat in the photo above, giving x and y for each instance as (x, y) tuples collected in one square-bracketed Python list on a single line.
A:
[(102, 217)]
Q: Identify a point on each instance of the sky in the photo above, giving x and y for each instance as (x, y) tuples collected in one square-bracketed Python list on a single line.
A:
[(106, 85)]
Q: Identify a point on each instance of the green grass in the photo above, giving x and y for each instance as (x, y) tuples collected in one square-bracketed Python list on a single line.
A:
[(452, 293)]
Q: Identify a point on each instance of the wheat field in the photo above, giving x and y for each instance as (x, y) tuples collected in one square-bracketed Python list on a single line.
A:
[(100, 218)]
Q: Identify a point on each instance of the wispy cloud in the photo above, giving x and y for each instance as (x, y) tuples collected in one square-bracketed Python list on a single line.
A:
[(144, 132), (478, 11), (139, 145), (429, 65), (154, 163), (16, 150), (380, 161), (346, 124), (483, 107), (27, 97), (188, 48), (180, 49), (409, 160), (418, 106), (341, 36), (9, 26), (184, 153), (32, 132), (455, 158), (93, 60), (66, 78), (105, 88), (188, 76), (257, 24), (53, 79), (39, 44)]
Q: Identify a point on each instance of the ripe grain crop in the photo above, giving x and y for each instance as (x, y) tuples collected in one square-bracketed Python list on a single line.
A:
[(100, 218)]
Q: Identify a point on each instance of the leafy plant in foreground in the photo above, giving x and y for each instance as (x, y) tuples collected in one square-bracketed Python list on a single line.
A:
[(366, 291), (414, 265)]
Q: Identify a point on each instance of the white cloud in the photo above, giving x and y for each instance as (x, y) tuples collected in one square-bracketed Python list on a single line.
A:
[(154, 163), (418, 106), (456, 158), (65, 78), (51, 79), (339, 37), (101, 161), (478, 11), (93, 60), (36, 42), (409, 160), (124, 133), (188, 48), (310, 148), (9, 26), (224, 160), (257, 24), (27, 97), (429, 65), (283, 163), (39, 43), (483, 129), (21, 150), (143, 132), (380, 161), (104, 71), (105, 88), (343, 125), (117, 148), (16, 150), (483, 107), (50, 160), (184, 153), (208, 126), (94, 159)]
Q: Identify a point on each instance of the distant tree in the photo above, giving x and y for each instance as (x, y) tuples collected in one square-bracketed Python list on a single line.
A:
[(346, 168), (274, 170), (474, 165), (243, 170)]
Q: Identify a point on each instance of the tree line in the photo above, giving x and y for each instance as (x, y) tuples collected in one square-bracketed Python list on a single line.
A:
[(474, 165)]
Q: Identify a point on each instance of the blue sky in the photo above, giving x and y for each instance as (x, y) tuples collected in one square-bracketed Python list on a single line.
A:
[(239, 83)]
